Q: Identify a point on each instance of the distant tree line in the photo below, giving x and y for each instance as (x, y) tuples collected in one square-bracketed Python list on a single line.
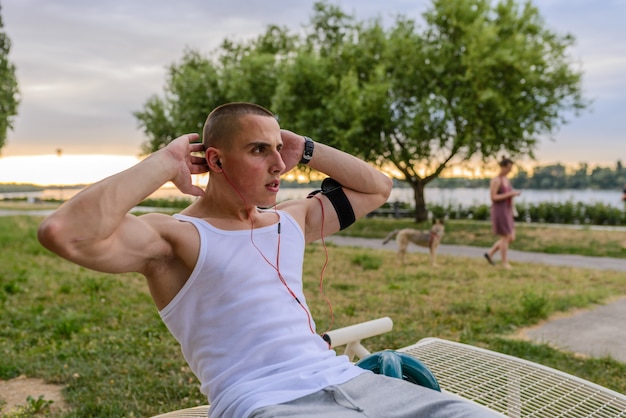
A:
[(553, 176), (19, 187)]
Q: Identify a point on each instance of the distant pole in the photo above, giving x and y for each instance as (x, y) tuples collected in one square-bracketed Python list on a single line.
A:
[(59, 153)]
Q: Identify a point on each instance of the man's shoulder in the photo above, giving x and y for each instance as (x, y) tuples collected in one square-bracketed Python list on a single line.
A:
[(163, 221), (157, 217)]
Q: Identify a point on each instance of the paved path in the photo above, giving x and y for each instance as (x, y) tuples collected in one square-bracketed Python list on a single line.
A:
[(602, 263), (596, 332)]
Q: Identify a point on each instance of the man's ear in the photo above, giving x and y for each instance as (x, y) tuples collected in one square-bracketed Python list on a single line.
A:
[(213, 159)]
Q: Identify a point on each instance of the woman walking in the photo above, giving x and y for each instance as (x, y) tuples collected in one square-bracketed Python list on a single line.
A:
[(502, 222)]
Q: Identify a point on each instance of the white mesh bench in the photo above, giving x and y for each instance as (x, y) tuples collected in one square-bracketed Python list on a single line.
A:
[(509, 385), (513, 386)]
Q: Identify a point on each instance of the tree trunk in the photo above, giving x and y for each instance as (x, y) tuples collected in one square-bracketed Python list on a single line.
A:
[(421, 214)]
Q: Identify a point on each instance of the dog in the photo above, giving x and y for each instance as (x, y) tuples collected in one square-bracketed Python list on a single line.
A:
[(429, 239)]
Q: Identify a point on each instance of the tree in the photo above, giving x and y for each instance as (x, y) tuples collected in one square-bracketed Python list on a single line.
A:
[(603, 177), (580, 177), (9, 93), (521, 180), (551, 176), (479, 81), (246, 71)]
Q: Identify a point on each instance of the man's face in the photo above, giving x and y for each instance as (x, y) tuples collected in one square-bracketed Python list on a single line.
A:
[(253, 161)]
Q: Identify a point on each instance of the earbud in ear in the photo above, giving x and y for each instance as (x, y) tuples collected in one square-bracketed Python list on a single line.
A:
[(219, 163)]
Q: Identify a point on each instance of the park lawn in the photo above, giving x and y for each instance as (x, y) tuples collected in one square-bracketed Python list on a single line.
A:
[(100, 335)]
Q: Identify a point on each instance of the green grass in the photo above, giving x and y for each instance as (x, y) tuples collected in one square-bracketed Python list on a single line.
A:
[(101, 337)]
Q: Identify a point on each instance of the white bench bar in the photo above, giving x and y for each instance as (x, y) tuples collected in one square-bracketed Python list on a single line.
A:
[(352, 335)]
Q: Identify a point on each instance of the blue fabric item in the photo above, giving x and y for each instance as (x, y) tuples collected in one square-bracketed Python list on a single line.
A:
[(401, 366)]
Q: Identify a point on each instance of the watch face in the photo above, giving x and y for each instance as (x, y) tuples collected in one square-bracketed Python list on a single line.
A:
[(308, 150)]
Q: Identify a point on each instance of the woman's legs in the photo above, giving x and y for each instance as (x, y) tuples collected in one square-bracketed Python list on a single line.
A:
[(504, 251), (501, 245), (494, 249), (504, 248)]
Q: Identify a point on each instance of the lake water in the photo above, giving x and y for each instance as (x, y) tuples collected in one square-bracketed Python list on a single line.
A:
[(460, 196), (475, 196)]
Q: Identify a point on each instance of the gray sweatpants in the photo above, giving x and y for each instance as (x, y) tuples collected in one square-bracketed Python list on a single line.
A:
[(375, 396)]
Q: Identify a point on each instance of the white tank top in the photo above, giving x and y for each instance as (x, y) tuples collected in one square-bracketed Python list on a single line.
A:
[(243, 334)]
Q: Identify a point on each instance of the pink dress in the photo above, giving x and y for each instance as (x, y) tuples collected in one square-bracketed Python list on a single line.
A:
[(502, 212)]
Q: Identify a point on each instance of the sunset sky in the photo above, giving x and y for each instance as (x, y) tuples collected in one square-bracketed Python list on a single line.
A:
[(83, 67)]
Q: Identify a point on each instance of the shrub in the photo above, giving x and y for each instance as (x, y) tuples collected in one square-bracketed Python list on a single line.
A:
[(545, 212)]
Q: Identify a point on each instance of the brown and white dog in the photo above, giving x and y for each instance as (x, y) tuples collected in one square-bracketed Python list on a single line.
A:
[(429, 239)]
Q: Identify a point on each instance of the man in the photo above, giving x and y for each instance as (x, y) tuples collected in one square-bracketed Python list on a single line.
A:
[(225, 274)]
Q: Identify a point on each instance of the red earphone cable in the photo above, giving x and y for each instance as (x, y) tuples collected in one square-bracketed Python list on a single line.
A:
[(321, 287), (277, 266)]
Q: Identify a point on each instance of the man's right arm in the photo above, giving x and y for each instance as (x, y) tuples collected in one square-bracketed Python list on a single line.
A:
[(94, 228)]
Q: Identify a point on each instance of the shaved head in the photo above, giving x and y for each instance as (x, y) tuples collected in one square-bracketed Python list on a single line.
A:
[(224, 123)]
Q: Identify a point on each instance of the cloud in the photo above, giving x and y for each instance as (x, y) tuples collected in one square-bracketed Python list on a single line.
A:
[(85, 66), (89, 65)]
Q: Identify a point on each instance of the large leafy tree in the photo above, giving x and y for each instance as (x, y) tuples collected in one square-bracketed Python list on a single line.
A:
[(478, 81), (9, 93)]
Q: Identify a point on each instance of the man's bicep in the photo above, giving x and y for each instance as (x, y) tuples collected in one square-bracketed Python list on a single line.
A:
[(128, 249), (330, 213)]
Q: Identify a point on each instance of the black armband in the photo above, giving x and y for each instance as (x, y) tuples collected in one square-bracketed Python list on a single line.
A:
[(334, 192)]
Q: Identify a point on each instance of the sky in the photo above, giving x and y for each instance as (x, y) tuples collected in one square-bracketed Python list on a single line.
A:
[(84, 67)]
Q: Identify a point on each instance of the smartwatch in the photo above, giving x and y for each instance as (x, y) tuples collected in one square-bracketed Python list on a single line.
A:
[(309, 145)]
